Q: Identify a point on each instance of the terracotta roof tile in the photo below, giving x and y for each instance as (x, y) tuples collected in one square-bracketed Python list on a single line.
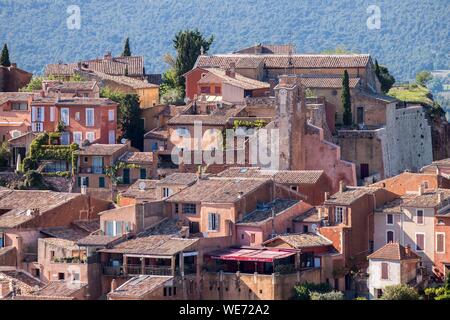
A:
[(393, 251), (237, 81), (139, 286), (279, 176), (326, 81), (60, 289), (98, 240), (137, 157), (98, 149), (350, 195), (179, 178), (266, 211), (302, 240), (148, 192)]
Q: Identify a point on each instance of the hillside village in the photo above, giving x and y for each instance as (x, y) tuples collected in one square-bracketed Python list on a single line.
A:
[(103, 196)]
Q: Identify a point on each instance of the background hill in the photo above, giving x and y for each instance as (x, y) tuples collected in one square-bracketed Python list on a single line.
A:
[(414, 35)]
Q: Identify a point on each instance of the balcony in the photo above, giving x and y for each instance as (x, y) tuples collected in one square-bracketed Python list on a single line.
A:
[(93, 170), (134, 270), (72, 260)]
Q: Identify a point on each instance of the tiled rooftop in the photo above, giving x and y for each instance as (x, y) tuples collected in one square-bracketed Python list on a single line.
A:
[(350, 195), (223, 61), (24, 281), (127, 81), (238, 80), (139, 286), (310, 216), (267, 210), (60, 243), (184, 179), (167, 226), (98, 240), (326, 81), (393, 251), (280, 176), (153, 245), (148, 191), (60, 289), (14, 96), (302, 240), (101, 149), (91, 102), (137, 157), (70, 86), (217, 190)]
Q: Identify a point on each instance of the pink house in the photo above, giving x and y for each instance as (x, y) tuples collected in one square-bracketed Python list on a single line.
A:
[(268, 220)]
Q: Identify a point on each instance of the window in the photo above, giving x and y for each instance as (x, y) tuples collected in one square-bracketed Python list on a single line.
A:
[(116, 228), (189, 208), (89, 117), (384, 271), (76, 276), (338, 215), (77, 116), (205, 90), (167, 192), (65, 116), (294, 188), (52, 255), (242, 236), (305, 228), (252, 238), (143, 173), (78, 138), (112, 137), (419, 215), (389, 236), (440, 242), (213, 223), (52, 114), (84, 181), (389, 219), (86, 159), (420, 241), (37, 114), (65, 138), (194, 227), (176, 208), (19, 106), (61, 276), (101, 182), (90, 136), (111, 115)]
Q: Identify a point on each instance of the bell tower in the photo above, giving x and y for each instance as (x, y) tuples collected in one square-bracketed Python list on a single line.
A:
[(290, 119)]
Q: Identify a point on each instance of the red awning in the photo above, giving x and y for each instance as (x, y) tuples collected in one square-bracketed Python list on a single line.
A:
[(251, 255)]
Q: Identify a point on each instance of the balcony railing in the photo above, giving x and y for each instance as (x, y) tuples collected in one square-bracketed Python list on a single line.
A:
[(69, 260), (94, 169), (134, 269)]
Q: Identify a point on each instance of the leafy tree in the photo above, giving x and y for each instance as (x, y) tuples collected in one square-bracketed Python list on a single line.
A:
[(346, 100), (385, 78), (337, 50), (400, 292), (423, 77), (126, 48), (188, 44), (130, 120), (4, 58), (33, 85), (304, 290), (5, 154)]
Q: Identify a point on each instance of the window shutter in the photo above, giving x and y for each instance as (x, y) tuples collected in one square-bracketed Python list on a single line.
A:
[(384, 271), (87, 181), (217, 222), (79, 181), (210, 221), (42, 114), (33, 114)]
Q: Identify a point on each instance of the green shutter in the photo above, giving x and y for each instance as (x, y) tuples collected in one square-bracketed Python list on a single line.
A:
[(79, 181), (101, 182)]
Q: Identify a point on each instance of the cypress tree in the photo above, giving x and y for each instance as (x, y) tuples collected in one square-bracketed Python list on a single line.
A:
[(345, 98), (4, 59), (126, 49)]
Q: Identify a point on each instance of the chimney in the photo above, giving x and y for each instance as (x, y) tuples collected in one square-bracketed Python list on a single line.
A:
[(231, 71), (108, 56), (342, 186), (421, 189), (113, 285), (438, 171), (320, 213), (326, 196), (407, 249), (240, 195)]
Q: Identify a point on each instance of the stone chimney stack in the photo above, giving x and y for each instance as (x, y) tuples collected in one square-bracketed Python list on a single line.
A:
[(342, 187), (231, 71), (326, 196), (421, 189), (113, 285), (408, 249)]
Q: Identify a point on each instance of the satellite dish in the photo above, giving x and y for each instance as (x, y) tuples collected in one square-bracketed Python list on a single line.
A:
[(123, 141), (314, 227), (141, 185)]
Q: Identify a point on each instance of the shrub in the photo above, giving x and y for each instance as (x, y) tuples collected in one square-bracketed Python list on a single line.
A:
[(333, 295), (445, 296), (303, 291), (400, 292), (361, 298)]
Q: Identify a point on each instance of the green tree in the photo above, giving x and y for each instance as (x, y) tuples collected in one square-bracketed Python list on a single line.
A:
[(4, 58), (5, 154), (423, 77), (346, 100), (188, 44), (399, 292), (333, 295), (385, 78), (33, 85), (130, 120), (126, 48)]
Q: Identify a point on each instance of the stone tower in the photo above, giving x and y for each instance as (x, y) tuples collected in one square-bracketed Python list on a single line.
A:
[(290, 119)]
